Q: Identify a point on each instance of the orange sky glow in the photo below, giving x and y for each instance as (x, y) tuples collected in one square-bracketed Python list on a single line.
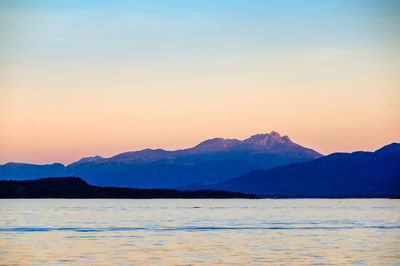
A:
[(76, 81)]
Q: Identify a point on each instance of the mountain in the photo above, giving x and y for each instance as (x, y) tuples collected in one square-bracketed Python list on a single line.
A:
[(357, 174), (209, 162), (21, 171), (87, 160), (75, 187), (394, 147)]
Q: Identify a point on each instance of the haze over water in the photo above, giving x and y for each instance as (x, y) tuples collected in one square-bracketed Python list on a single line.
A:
[(184, 232)]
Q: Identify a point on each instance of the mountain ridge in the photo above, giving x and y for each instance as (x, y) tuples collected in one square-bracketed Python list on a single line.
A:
[(356, 174), (267, 142), (208, 162)]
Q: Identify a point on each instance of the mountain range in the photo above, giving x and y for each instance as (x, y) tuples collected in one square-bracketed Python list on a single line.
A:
[(339, 175), (268, 165), (212, 161)]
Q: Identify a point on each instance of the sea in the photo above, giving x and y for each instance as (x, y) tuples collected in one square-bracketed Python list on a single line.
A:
[(199, 232)]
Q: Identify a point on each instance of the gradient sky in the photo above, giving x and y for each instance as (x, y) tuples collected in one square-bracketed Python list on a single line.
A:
[(83, 78)]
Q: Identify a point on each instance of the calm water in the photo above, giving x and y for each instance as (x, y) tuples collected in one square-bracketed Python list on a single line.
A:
[(182, 232)]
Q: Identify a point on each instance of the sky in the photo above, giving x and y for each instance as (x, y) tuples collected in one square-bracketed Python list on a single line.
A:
[(84, 78)]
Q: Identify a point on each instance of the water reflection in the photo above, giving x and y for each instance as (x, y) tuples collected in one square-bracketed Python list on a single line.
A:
[(172, 232)]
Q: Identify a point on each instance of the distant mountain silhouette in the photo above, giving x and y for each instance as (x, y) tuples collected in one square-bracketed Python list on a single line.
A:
[(357, 174), (74, 187), (394, 147), (209, 162), (22, 171)]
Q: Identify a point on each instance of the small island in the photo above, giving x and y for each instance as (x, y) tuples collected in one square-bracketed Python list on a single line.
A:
[(76, 188)]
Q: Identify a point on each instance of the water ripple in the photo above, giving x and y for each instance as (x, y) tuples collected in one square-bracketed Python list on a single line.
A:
[(191, 228)]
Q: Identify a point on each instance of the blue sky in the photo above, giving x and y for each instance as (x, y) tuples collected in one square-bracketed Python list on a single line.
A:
[(114, 74)]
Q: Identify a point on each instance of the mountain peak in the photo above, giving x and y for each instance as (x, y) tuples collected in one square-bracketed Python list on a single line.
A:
[(216, 144), (267, 139), (393, 147), (271, 142), (88, 160), (275, 134)]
